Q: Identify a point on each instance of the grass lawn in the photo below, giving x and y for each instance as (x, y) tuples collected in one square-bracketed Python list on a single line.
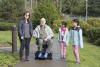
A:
[(89, 55), (6, 37), (8, 59)]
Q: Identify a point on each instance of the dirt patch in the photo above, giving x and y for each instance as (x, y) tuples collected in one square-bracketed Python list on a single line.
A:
[(5, 45)]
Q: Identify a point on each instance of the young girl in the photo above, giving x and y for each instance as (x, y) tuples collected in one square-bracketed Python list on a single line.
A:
[(25, 33), (63, 32), (77, 40)]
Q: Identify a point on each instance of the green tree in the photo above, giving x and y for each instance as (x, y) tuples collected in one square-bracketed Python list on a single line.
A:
[(94, 8), (73, 6), (46, 9), (11, 10), (78, 7)]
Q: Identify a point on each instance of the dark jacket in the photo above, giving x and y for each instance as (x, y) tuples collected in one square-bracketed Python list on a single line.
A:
[(21, 30)]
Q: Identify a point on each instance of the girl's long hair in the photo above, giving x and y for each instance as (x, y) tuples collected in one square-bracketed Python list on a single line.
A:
[(24, 16)]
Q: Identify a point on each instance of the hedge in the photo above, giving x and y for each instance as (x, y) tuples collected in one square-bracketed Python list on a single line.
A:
[(95, 22), (97, 42), (85, 26), (6, 26), (93, 34), (57, 24)]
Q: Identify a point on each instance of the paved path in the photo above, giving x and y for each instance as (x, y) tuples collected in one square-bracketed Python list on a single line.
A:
[(55, 62)]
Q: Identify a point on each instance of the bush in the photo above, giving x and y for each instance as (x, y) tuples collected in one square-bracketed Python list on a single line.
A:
[(8, 59), (90, 31), (97, 42), (85, 26), (46, 9), (93, 34), (6, 26), (57, 24), (95, 22), (69, 23)]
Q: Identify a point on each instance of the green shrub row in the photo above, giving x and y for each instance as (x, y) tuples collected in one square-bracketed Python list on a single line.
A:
[(91, 29), (6, 26), (94, 35), (85, 26), (97, 42), (95, 22), (57, 24)]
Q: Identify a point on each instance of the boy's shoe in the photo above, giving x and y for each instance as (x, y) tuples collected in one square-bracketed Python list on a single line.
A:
[(77, 63), (27, 58), (45, 55), (40, 54)]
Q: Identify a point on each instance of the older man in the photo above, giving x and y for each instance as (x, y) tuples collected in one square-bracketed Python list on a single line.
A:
[(43, 34)]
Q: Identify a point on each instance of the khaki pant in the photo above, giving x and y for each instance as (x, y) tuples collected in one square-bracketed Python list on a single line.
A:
[(40, 43)]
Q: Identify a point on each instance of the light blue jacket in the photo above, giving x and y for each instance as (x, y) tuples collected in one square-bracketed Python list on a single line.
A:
[(76, 35), (65, 36)]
